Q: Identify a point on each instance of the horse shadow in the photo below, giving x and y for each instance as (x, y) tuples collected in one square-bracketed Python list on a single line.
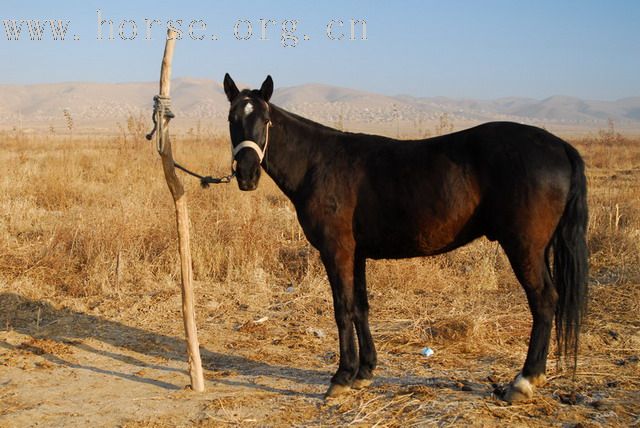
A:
[(36, 317)]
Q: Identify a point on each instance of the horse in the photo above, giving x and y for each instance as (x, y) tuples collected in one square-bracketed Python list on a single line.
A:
[(360, 197)]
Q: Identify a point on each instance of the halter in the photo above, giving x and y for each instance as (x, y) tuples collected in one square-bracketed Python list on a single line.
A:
[(248, 144)]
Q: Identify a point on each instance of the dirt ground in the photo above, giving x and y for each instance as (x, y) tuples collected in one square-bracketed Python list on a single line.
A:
[(91, 331), (102, 366)]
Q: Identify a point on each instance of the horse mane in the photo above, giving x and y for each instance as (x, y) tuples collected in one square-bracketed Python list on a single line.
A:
[(319, 127), (304, 121)]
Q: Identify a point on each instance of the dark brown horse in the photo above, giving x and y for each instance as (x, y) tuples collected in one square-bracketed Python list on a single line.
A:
[(361, 196)]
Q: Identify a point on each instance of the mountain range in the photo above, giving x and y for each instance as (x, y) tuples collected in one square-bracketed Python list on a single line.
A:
[(102, 105)]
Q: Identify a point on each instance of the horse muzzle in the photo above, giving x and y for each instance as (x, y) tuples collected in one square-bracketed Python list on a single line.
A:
[(247, 185)]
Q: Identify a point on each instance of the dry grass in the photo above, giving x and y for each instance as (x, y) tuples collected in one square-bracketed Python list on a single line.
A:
[(88, 230)]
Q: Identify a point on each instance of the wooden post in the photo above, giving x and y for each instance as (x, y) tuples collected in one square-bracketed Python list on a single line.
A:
[(182, 220)]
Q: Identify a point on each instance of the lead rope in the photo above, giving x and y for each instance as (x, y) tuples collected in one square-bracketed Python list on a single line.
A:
[(162, 110), (266, 139)]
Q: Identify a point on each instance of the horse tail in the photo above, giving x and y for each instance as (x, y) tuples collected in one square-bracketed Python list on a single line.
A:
[(570, 262)]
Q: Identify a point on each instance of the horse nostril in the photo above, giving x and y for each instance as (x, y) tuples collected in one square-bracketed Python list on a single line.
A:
[(246, 185)]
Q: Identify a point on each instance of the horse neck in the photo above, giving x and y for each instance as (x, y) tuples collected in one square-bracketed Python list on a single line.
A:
[(292, 150)]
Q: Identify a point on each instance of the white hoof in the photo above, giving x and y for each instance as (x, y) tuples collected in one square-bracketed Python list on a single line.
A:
[(519, 390)]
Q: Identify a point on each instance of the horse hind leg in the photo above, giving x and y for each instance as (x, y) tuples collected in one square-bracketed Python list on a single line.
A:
[(531, 269), (367, 354)]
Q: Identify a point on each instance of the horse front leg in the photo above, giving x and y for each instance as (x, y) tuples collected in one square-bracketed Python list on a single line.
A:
[(339, 263)]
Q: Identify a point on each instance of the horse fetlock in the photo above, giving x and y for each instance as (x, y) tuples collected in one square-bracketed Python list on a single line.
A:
[(365, 371), (345, 376)]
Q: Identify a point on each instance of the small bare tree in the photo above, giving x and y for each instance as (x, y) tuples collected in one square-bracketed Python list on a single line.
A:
[(340, 122), (198, 131), (445, 124), (122, 133), (69, 121), (136, 125), (610, 135), (422, 130)]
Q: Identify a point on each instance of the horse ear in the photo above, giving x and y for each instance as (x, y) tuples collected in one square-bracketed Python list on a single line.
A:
[(230, 87), (266, 90)]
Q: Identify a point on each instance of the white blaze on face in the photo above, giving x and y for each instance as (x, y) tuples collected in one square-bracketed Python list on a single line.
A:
[(248, 108)]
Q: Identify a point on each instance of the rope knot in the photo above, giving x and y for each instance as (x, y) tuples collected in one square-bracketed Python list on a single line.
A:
[(162, 104), (161, 110)]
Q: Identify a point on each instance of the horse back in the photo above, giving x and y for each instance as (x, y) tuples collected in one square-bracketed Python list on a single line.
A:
[(426, 197)]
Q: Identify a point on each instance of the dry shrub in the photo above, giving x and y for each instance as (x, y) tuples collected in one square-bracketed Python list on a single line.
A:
[(89, 223), (93, 217), (613, 167)]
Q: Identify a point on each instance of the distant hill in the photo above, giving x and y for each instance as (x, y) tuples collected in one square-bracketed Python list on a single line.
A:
[(103, 104)]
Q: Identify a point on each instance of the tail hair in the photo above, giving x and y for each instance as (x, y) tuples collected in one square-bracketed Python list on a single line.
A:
[(570, 263)]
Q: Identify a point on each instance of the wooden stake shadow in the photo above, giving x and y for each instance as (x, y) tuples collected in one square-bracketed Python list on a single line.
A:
[(71, 327)]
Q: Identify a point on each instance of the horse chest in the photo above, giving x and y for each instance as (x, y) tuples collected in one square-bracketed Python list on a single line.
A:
[(325, 217)]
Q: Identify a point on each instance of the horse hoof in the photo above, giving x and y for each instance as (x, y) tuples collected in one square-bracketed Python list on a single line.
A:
[(514, 396), (336, 390), (361, 383), (519, 390)]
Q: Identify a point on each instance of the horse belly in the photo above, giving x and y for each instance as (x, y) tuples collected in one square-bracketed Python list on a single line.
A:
[(414, 236)]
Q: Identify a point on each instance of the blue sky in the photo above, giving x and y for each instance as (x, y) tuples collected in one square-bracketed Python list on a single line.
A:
[(455, 48)]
